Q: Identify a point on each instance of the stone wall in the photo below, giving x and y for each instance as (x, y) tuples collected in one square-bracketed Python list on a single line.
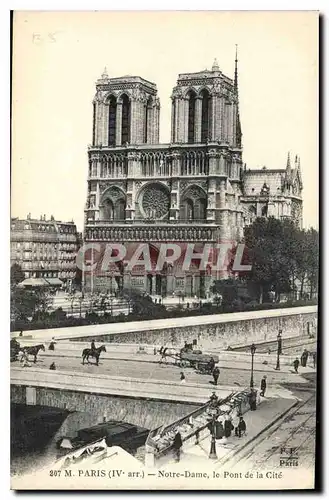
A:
[(144, 412), (218, 335)]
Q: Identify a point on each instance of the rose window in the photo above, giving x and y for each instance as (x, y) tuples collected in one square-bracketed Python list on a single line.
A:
[(155, 201)]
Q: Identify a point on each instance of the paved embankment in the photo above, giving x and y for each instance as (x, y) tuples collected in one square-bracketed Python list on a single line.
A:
[(263, 361)]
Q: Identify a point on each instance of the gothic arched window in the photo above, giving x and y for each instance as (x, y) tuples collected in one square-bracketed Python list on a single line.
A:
[(112, 120), (119, 210), (200, 207), (191, 116), (194, 204), (205, 115), (125, 131), (188, 209), (108, 210), (148, 109)]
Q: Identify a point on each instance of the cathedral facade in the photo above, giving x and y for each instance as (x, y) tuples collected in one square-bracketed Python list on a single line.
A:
[(194, 190)]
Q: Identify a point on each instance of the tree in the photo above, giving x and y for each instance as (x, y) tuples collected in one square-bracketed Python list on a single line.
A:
[(26, 304), (283, 257), (226, 289), (16, 274), (142, 305), (308, 261), (271, 252)]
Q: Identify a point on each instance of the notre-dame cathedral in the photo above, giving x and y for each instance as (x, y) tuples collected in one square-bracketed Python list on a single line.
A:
[(194, 190)]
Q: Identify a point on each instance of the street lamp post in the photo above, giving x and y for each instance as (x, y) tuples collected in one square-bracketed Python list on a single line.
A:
[(252, 350), (213, 453), (279, 350)]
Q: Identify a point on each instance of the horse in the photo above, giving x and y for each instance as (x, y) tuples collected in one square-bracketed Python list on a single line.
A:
[(167, 352), (34, 350), (94, 353)]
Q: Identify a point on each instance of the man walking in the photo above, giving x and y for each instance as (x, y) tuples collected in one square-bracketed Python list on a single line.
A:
[(280, 342), (263, 386), (241, 429), (177, 445), (296, 365), (215, 374)]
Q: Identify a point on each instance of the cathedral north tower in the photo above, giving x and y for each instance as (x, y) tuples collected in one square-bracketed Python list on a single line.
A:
[(126, 110)]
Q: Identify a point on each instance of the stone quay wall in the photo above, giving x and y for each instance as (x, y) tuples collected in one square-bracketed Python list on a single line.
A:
[(219, 331), (143, 412)]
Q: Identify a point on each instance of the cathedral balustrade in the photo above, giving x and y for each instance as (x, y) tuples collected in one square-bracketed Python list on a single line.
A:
[(155, 232), (142, 222), (113, 166), (194, 163), (156, 164)]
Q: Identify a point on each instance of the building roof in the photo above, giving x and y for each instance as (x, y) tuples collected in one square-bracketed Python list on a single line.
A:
[(254, 181)]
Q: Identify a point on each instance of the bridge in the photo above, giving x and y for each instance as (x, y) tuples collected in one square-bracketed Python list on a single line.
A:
[(148, 403)]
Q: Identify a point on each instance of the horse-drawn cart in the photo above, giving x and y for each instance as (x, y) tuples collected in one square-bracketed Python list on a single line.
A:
[(188, 357), (203, 363)]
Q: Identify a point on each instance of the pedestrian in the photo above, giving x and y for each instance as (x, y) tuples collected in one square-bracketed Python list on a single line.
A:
[(52, 366), (314, 359), (182, 378), (178, 443), (219, 430), (214, 400), (280, 342), (21, 333), (296, 365), (263, 386), (240, 430), (228, 426), (215, 374), (211, 364), (303, 358), (253, 400)]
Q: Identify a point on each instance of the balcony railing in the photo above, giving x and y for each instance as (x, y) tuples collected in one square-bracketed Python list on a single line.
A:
[(142, 222)]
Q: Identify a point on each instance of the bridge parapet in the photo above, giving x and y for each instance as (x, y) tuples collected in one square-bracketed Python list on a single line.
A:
[(115, 386)]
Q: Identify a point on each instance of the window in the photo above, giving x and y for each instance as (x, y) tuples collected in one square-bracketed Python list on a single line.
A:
[(112, 120), (205, 116), (125, 135), (148, 109), (191, 117)]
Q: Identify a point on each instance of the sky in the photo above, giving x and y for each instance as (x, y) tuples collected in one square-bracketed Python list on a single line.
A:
[(58, 56)]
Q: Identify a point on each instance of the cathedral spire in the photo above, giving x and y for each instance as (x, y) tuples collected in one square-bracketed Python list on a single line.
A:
[(238, 131), (236, 69), (288, 167)]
